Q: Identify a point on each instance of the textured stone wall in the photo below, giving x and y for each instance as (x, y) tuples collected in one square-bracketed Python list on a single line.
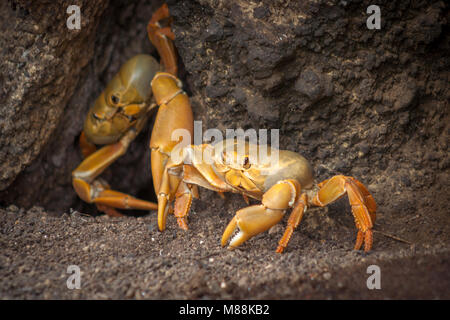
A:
[(41, 65)]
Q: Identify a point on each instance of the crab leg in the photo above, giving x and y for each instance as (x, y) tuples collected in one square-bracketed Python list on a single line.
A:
[(368, 199), (255, 219), (172, 186), (162, 39), (182, 204), (180, 180), (87, 148), (294, 220), (362, 203), (174, 113), (97, 191)]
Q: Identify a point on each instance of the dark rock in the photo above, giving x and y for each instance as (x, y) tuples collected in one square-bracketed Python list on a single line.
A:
[(239, 95), (261, 12), (42, 62), (259, 107), (313, 84), (215, 91), (214, 32), (401, 95)]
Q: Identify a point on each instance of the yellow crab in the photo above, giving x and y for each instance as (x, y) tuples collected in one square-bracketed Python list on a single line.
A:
[(125, 106), (280, 185), (121, 112)]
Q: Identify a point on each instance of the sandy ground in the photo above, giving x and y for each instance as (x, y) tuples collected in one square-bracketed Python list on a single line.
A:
[(123, 258)]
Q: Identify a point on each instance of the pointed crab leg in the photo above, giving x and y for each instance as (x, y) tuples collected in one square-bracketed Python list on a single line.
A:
[(183, 201), (176, 182), (174, 115), (162, 39), (368, 199), (362, 203), (294, 220), (255, 219), (97, 191)]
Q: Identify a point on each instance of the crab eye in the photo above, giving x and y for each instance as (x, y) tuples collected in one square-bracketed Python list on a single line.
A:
[(115, 99), (246, 163)]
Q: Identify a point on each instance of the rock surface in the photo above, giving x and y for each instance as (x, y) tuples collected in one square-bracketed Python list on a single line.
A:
[(41, 65)]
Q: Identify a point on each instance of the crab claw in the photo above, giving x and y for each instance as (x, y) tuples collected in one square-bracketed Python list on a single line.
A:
[(251, 221)]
